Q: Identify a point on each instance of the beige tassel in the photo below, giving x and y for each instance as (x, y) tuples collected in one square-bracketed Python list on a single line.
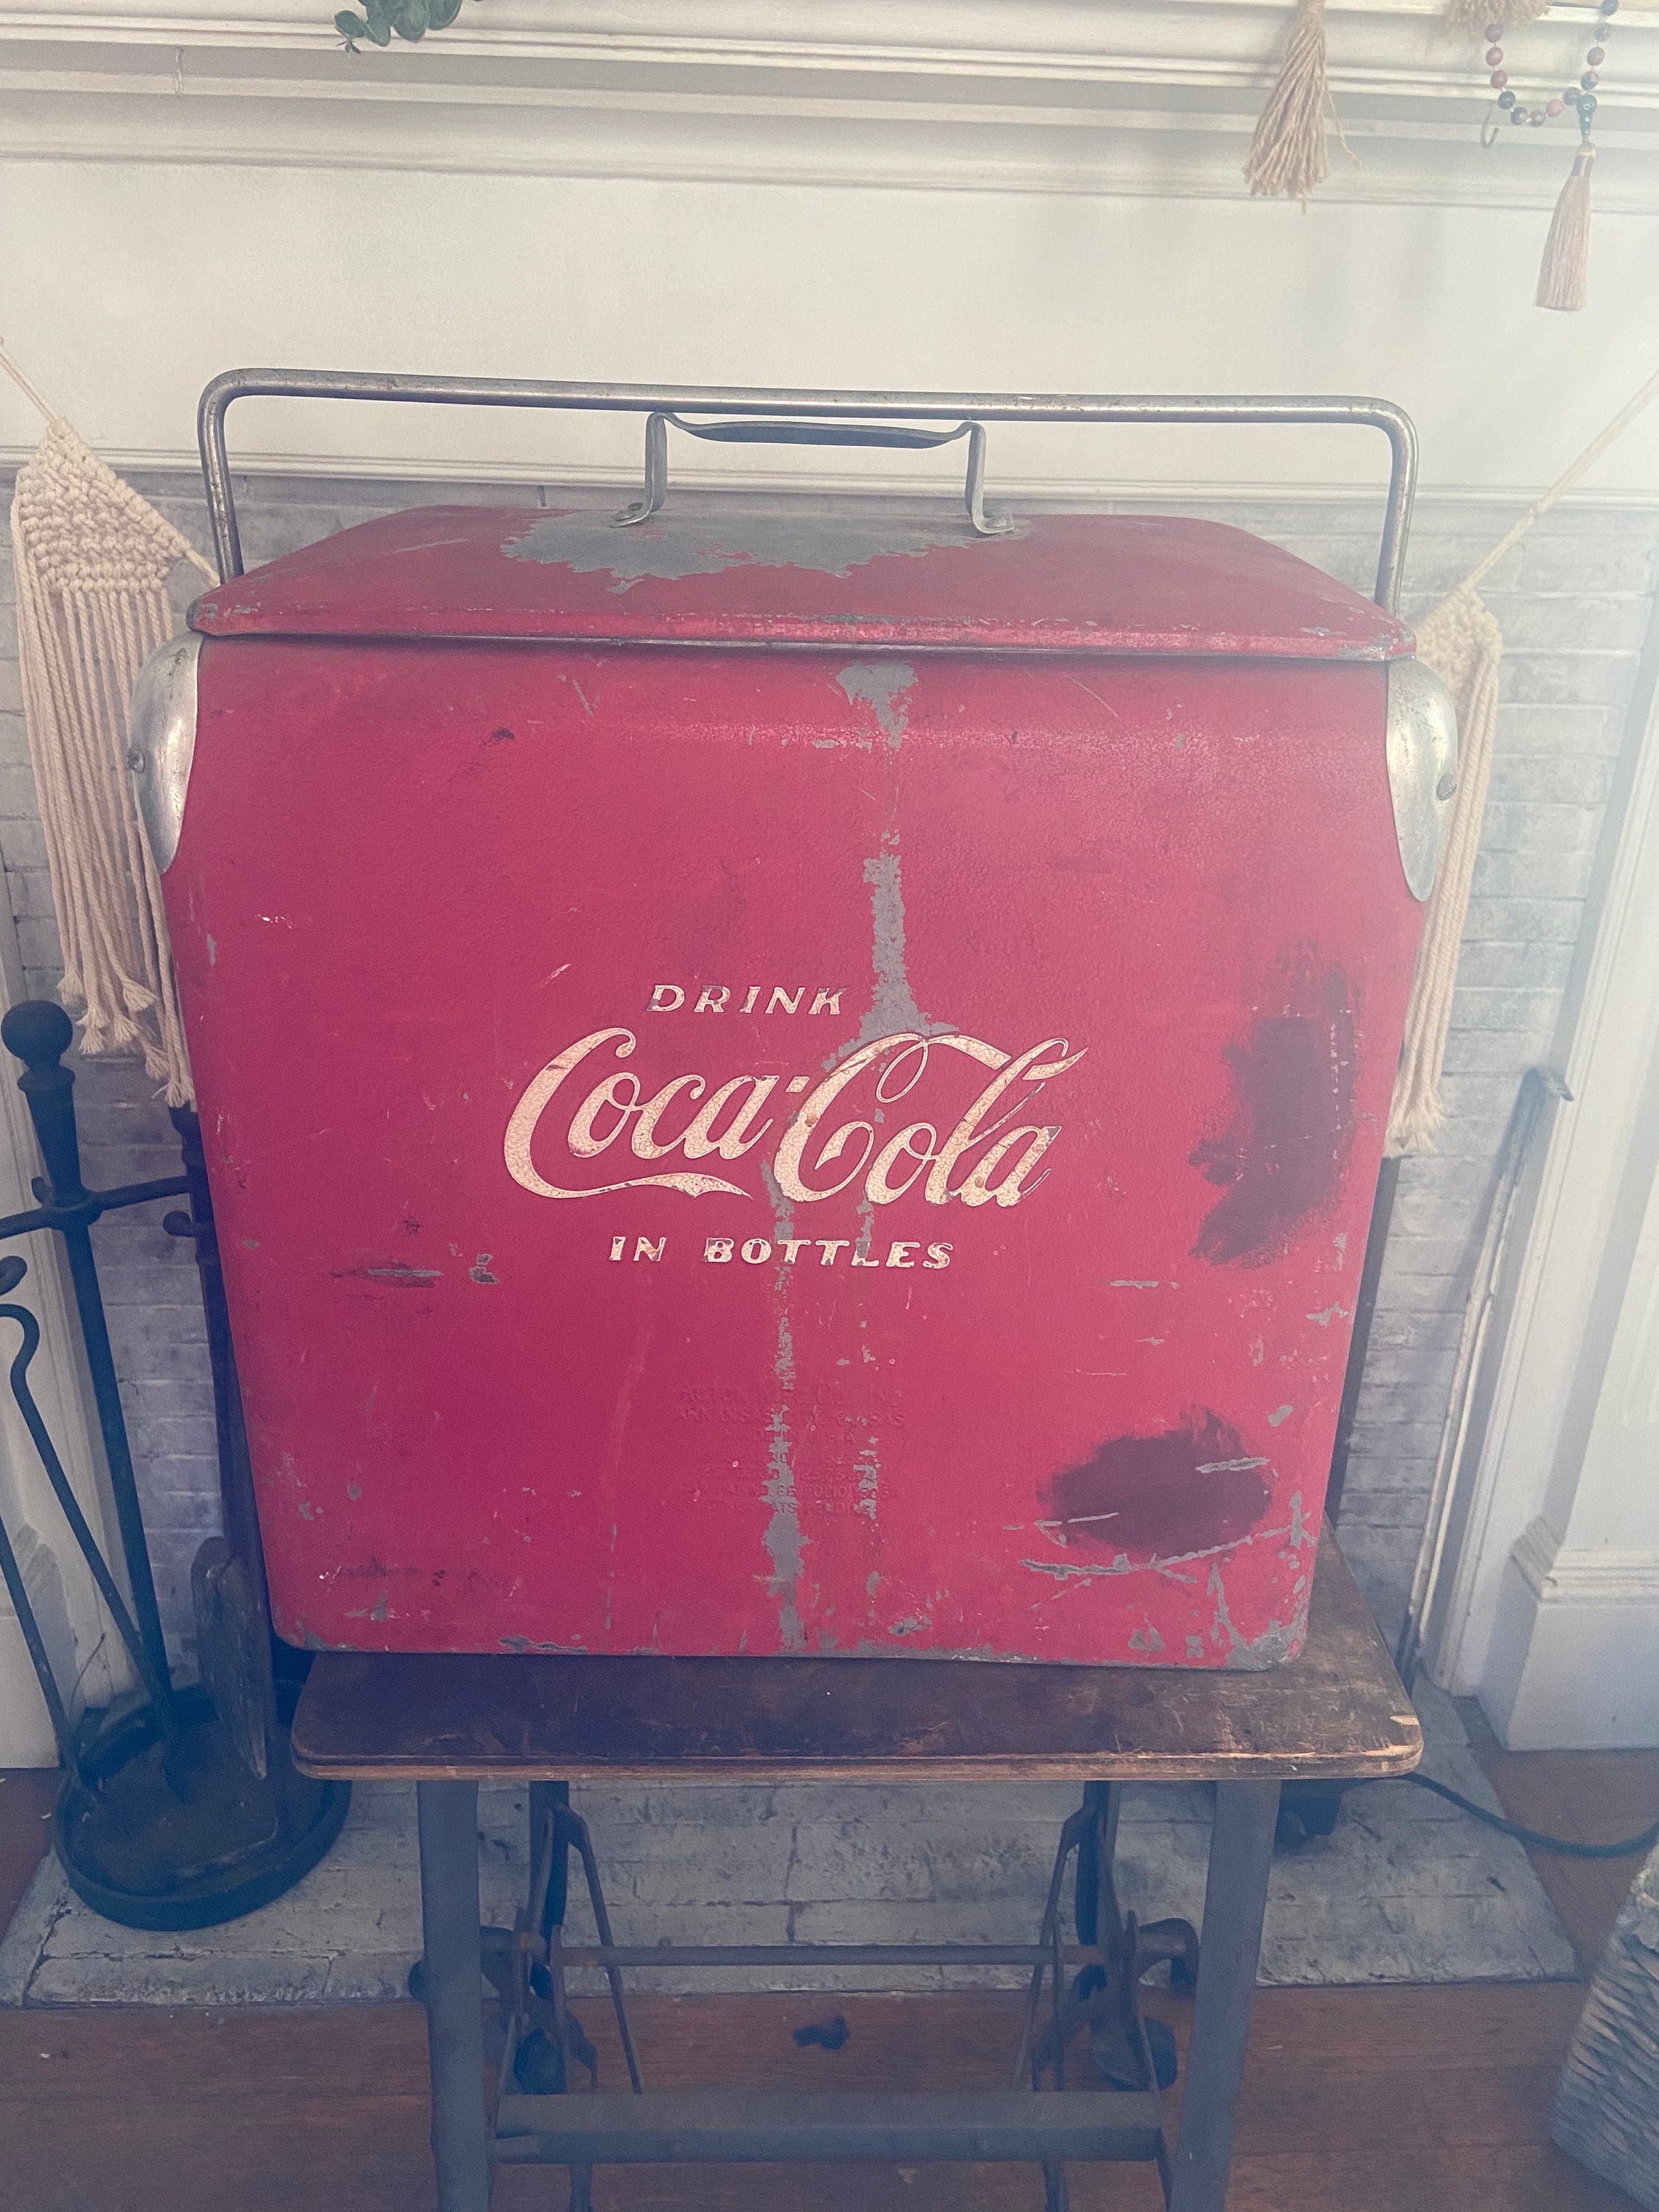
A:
[(1462, 642), (1287, 154), (1472, 16), (1564, 279), (93, 562)]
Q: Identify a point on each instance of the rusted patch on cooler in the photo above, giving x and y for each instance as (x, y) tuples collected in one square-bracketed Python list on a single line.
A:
[(1282, 1156), (1179, 1491)]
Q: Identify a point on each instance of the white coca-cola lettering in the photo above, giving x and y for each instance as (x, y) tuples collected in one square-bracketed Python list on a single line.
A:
[(809, 1162), (529, 1111), (737, 1137), (714, 998)]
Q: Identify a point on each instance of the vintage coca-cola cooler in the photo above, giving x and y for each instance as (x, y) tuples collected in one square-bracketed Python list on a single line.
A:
[(793, 1078)]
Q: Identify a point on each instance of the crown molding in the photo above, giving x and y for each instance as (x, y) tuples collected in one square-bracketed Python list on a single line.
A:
[(1393, 45), (1151, 98)]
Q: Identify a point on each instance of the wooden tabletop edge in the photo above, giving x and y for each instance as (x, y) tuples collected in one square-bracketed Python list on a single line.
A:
[(1385, 1763)]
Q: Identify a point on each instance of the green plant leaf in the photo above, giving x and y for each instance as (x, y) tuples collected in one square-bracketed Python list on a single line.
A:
[(441, 14), (408, 18), (351, 28), (379, 22)]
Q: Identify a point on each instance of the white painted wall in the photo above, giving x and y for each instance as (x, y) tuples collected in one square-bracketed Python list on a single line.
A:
[(181, 272), (1553, 1617)]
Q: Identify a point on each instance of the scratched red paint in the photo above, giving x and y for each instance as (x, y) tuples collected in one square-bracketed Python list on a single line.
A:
[(723, 1150)]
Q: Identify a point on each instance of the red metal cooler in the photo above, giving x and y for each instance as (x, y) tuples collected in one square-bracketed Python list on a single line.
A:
[(793, 1078)]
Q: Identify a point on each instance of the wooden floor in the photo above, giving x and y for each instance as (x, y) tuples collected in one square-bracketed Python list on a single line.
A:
[(26, 1804), (1371, 2100), (1594, 1797)]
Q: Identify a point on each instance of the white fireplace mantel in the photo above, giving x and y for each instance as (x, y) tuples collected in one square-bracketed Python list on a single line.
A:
[(1021, 194), (1152, 96)]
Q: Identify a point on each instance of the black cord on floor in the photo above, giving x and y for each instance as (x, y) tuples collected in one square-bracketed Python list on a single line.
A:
[(1645, 1842)]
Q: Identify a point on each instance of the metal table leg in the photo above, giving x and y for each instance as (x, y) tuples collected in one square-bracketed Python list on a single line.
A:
[(448, 1814), (1235, 1900)]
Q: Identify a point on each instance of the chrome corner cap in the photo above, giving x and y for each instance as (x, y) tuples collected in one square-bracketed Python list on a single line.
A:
[(162, 742), (1422, 756)]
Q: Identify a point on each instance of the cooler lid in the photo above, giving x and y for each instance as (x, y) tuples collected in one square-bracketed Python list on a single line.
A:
[(744, 572)]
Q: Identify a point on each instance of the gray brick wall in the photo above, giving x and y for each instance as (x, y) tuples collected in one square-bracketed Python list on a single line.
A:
[(1576, 601)]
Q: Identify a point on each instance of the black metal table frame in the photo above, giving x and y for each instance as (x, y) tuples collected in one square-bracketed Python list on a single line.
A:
[(1194, 2169)]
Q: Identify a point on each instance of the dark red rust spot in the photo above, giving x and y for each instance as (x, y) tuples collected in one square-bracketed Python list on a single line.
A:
[(1281, 1157), (1183, 1490)]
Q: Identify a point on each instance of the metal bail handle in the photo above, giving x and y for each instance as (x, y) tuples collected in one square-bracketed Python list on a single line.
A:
[(868, 410), (905, 435)]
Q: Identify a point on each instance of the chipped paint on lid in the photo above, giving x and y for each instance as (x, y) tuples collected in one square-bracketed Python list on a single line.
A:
[(777, 574)]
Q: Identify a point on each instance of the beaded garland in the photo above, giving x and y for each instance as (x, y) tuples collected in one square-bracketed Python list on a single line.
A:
[(1581, 96)]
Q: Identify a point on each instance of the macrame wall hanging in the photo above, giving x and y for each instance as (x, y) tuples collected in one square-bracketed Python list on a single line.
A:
[(1287, 155), (93, 562), (1461, 641)]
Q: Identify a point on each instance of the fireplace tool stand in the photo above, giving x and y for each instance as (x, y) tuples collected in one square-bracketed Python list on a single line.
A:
[(180, 1806)]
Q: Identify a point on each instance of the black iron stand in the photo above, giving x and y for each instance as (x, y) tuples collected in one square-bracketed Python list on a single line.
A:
[(448, 1722), (180, 1806), (1092, 1990)]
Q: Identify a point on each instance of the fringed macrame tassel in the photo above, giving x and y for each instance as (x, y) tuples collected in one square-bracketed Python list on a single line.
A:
[(92, 564), (1462, 642), (1564, 279), (1287, 154)]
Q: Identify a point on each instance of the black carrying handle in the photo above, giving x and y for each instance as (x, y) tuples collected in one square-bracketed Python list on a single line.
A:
[(751, 430)]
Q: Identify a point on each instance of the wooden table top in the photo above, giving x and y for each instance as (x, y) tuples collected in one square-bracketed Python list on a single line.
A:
[(1337, 1709)]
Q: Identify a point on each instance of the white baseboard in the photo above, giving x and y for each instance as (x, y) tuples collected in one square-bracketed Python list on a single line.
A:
[(1574, 1663)]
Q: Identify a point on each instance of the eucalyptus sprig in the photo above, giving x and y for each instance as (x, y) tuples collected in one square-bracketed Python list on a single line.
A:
[(410, 19)]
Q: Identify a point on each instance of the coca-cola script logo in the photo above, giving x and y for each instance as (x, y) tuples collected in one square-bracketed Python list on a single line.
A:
[(979, 1159)]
